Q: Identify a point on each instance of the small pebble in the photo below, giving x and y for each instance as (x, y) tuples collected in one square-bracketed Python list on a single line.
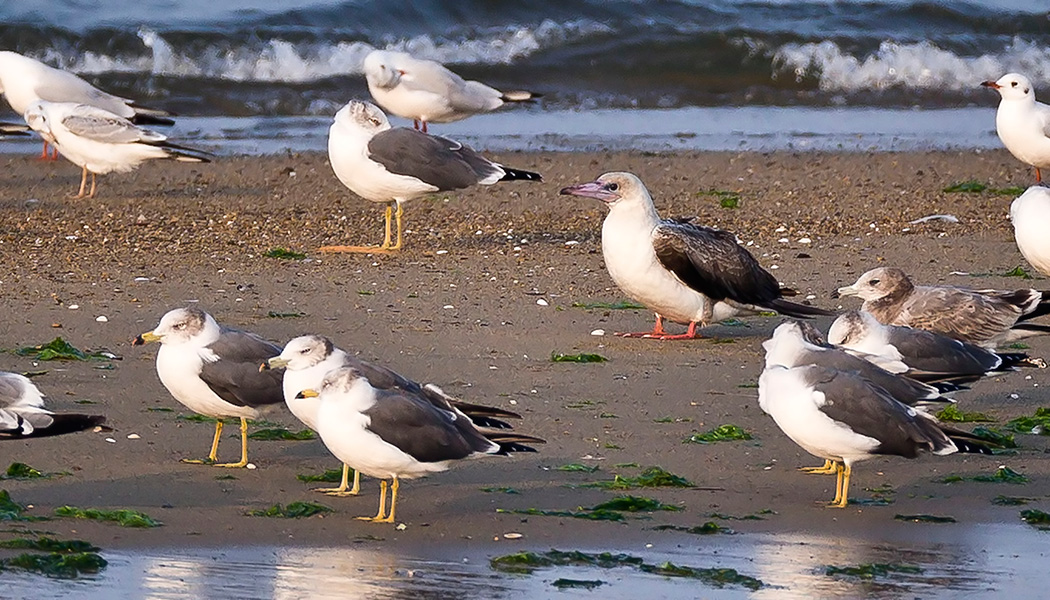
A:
[(74, 306), (441, 252), (513, 536), (251, 466), (805, 240), (401, 527), (448, 306), (111, 440), (542, 302), (133, 436), (598, 332), (102, 319)]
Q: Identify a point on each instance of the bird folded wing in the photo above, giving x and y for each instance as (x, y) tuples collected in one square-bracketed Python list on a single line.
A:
[(102, 126)]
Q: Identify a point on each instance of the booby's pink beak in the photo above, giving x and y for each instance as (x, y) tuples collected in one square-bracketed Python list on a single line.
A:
[(991, 84), (594, 189)]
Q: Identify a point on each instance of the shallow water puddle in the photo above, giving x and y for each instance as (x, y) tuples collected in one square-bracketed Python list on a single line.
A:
[(936, 563)]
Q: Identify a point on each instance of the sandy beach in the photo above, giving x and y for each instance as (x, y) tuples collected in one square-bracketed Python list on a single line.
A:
[(460, 307)]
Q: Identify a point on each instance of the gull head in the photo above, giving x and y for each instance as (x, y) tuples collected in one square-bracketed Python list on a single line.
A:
[(181, 326), (336, 382), (878, 283), (851, 327), (37, 118), (783, 347), (362, 116), (1012, 86), (302, 353), (380, 71), (612, 189)]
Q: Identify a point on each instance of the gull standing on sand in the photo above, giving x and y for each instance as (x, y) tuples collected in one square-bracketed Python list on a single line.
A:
[(927, 354), (1022, 123), (1030, 214), (101, 142), (214, 371), (393, 166), (426, 92), (24, 80), (684, 272), (22, 412), (844, 418), (987, 318), (307, 359), (394, 434)]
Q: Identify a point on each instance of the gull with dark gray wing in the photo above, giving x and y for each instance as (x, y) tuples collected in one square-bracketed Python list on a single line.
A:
[(22, 412), (214, 371), (393, 166), (682, 271)]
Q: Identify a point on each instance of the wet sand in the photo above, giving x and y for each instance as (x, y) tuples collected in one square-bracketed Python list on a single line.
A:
[(459, 307)]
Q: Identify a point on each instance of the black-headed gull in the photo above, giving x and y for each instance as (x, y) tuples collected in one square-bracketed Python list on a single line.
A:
[(393, 166), (23, 416), (214, 371), (427, 92), (101, 142), (683, 272), (1022, 123), (987, 318), (394, 434)]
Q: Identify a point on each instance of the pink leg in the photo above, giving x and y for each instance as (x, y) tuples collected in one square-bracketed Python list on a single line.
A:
[(658, 332), (43, 153), (424, 126), (54, 153)]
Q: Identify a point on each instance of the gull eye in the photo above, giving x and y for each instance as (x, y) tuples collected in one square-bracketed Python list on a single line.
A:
[(304, 351), (873, 282), (612, 187), (180, 326), (373, 121), (1013, 84)]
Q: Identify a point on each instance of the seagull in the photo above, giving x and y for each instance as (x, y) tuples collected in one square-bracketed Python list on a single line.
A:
[(1029, 213), (987, 318), (101, 142), (308, 358), (844, 418), (684, 272), (24, 80), (214, 371), (1022, 123), (927, 355), (395, 434), (393, 166), (426, 92), (13, 129), (22, 412)]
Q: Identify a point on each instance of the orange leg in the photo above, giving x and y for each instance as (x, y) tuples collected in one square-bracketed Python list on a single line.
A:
[(658, 332)]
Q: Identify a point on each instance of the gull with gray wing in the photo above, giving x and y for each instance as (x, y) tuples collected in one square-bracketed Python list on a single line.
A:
[(1022, 123), (22, 412)]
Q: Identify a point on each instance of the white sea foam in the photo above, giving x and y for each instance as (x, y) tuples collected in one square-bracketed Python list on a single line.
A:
[(921, 65)]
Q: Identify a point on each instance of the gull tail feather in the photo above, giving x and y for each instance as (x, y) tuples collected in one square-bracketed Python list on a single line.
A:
[(512, 442), (519, 175), (184, 153), (967, 442), (520, 96)]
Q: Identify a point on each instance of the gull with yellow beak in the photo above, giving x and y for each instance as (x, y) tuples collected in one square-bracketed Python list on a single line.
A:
[(214, 371)]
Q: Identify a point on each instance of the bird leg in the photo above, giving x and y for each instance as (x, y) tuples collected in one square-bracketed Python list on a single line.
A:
[(400, 211), (83, 183), (842, 485), (1038, 175), (826, 469), (415, 125), (393, 499), (424, 126), (214, 448), (388, 217), (244, 448), (382, 505), (342, 490), (658, 332), (92, 194), (373, 249)]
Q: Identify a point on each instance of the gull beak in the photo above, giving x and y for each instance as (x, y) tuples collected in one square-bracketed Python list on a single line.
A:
[(849, 290), (594, 189), (274, 363), (146, 338), (991, 84), (308, 393)]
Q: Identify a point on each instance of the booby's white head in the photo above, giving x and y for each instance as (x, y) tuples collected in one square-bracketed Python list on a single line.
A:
[(878, 283), (380, 70), (190, 326), (361, 117), (1013, 86), (613, 189), (303, 352)]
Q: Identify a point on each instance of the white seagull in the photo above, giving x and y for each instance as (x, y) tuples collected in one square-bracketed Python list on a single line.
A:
[(1030, 213), (24, 80), (394, 434), (22, 412), (1022, 123), (844, 418), (101, 142), (427, 92), (987, 318), (393, 166), (929, 356), (682, 271), (214, 371), (308, 358)]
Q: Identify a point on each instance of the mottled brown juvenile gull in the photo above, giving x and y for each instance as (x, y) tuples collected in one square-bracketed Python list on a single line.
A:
[(214, 371), (1022, 123), (929, 356), (395, 434), (988, 318), (22, 412), (427, 92), (308, 358), (683, 272), (393, 166), (844, 418)]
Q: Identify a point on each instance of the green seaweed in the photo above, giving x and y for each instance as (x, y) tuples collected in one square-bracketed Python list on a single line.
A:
[(196, 418), (672, 420), (583, 357), (1011, 500), (590, 515), (1003, 440), (123, 517), (283, 254), (294, 510), (366, 293), (924, 519), (628, 503), (328, 476), (1036, 518), (630, 465), (612, 446), (621, 305), (953, 414), (64, 566), (651, 477), (280, 433), (1001, 475), (708, 528), (1018, 271), (164, 409), (726, 198), (529, 562), (47, 544), (12, 511), (60, 349), (872, 570), (1038, 423), (585, 584), (499, 490), (226, 477), (19, 470), (1019, 346), (577, 468), (722, 433), (584, 404), (972, 186), (285, 315), (759, 516)]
